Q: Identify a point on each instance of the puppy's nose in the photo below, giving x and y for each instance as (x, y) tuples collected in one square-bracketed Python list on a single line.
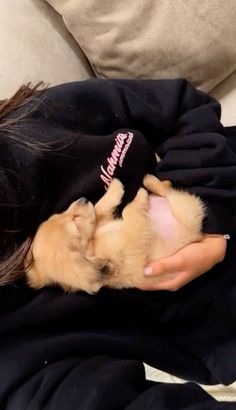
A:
[(82, 201)]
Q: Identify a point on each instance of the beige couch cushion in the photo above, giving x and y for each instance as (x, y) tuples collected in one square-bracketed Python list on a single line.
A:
[(226, 94), (35, 45), (155, 38)]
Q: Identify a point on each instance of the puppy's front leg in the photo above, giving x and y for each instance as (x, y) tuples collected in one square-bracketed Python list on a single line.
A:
[(156, 186), (106, 206)]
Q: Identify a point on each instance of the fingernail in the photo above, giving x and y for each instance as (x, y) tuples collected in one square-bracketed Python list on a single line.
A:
[(148, 271)]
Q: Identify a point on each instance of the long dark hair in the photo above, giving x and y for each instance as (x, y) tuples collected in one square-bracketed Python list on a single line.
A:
[(13, 252)]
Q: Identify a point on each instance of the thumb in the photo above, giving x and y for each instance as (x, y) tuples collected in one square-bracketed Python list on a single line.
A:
[(171, 264)]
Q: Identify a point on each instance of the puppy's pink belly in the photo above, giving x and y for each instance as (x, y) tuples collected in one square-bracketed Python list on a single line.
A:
[(164, 224)]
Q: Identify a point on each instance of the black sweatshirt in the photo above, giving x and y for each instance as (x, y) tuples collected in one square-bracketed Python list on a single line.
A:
[(61, 351), (82, 121)]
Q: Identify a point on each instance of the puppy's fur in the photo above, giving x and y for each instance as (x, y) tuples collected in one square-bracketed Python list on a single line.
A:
[(86, 248)]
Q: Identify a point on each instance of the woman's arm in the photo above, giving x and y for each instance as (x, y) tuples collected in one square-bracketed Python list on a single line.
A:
[(181, 123)]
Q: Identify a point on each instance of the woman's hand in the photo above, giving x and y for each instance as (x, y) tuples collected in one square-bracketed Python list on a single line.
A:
[(193, 260)]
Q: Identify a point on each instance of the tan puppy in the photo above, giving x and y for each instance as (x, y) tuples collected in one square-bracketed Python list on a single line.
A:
[(86, 248)]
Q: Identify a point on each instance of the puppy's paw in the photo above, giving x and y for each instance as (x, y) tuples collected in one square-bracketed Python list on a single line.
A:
[(116, 185), (142, 198), (116, 192), (149, 180), (156, 186)]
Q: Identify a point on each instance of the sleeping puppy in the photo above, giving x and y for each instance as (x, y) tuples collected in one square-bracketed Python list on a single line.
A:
[(86, 248)]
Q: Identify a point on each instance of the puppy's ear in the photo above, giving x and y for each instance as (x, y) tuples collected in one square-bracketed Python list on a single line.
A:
[(103, 266)]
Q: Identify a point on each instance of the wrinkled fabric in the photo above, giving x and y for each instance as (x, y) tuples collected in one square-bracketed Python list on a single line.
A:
[(60, 351)]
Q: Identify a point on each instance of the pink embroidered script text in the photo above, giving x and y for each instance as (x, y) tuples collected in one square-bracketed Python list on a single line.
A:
[(122, 144)]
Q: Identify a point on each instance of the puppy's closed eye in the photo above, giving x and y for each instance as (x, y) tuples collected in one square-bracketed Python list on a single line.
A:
[(103, 266), (107, 268)]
